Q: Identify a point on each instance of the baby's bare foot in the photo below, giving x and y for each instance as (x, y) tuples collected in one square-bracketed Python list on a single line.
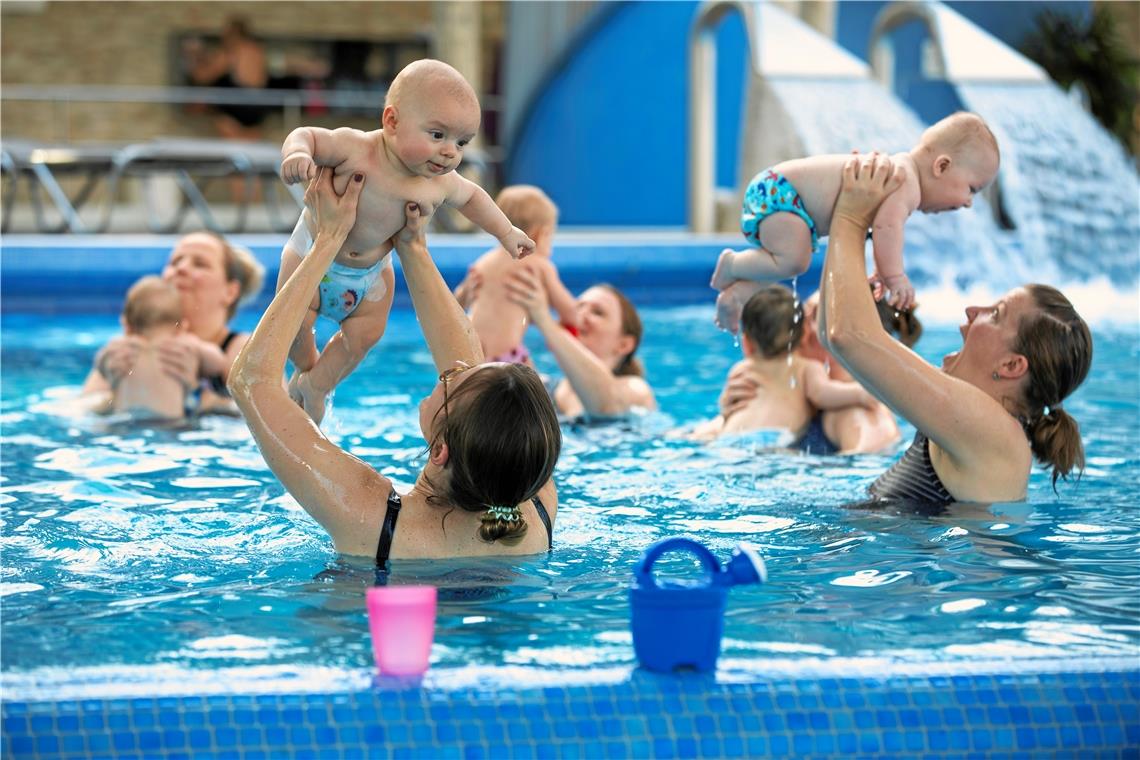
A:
[(730, 303), (722, 275), (309, 398)]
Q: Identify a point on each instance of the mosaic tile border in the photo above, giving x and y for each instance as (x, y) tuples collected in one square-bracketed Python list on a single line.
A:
[(1064, 713)]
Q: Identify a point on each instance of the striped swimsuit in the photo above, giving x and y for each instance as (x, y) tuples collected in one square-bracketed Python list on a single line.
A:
[(912, 478)]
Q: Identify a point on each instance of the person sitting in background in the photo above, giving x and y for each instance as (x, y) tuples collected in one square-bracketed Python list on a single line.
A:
[(152, 315), (850, 430), (789, 389), (240, 63), (430, 115), (212, 278), (603, 377), (491, 430), (498, 321), (996, 402)]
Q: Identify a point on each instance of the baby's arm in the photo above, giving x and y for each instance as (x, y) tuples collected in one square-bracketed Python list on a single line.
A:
[(887, 236), (561, 299), (211, 361), (306, 148), (475, 204), (827, 394)]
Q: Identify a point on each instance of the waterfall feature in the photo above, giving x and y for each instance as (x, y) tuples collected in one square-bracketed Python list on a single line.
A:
[(1066, 183)]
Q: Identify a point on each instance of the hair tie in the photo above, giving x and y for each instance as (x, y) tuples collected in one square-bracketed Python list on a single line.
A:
[(509, 514)]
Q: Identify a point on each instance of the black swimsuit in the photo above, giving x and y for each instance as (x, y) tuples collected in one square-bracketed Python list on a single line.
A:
[(215, 382), (388, 529)]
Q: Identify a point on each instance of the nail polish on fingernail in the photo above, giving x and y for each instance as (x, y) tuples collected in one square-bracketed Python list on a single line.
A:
[(357, 177)]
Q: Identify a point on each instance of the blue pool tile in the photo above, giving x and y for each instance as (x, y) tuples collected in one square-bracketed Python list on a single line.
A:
[(848, 743), (981, 738), (868, 743), (733, 747), (50, 744), (892, 741), (710, 747), (778, 743), (801, 744), (757, 747), (662, 747), (74, 744)]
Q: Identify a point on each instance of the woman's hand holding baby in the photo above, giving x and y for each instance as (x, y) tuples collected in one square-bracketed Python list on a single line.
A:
[(867, 180)]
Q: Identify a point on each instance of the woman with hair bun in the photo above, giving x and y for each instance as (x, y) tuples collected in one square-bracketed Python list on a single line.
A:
[(996, 403), (493, 438)]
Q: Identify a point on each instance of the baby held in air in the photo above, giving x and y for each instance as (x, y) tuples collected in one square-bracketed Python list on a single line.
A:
[(788, 208)]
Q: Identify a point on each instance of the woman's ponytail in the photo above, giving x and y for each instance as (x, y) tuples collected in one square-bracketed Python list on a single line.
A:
[(1057, 345), (1055, 439), (505, 523)]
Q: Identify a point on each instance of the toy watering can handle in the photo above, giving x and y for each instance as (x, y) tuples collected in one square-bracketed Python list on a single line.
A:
[(643, 571)]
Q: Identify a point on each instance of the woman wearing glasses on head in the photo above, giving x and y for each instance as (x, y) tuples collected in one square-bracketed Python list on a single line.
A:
[(492, 432)]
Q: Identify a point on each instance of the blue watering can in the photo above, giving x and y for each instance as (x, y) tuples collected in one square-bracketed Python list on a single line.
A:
[(679, 623)]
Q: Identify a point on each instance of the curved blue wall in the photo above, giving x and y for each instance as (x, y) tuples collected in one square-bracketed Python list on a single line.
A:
[(607, 137)]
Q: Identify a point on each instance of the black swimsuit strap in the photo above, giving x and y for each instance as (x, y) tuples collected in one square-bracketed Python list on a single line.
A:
[(542, 515), (226, 341), (388, 529)]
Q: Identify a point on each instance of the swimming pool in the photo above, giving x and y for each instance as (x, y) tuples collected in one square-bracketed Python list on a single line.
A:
[(163, 597)]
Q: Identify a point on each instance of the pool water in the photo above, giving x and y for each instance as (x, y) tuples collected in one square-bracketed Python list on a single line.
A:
[(154, 548)]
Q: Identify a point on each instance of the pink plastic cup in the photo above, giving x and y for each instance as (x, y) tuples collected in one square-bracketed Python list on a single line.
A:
[(402, 622)]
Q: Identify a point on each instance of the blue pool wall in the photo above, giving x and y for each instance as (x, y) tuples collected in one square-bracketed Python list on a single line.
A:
[(1090, 714), (608, 124), (90, 275)]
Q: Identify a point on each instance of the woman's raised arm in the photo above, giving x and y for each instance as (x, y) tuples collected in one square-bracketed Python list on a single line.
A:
[(336, 488), (447, 330), (959, 417)]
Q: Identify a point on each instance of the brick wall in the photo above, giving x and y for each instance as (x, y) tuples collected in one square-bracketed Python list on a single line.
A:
[(129, 43)]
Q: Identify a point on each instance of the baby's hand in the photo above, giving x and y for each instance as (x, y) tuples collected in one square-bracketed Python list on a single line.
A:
[(730, 303), (517, 243), (902, 292), (722, 275), (298, 167)]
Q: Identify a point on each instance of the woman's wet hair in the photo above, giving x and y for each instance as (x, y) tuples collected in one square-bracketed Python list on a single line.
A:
[(773, 319), (240, 267), (631, 326), (1057, 345), (904, 325), (503, 440)]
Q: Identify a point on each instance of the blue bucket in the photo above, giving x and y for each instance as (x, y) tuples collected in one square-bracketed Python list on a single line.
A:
[(678, 624)]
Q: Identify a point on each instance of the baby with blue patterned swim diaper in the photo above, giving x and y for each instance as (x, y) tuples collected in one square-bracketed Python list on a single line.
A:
[(431, 113), (788, 208)]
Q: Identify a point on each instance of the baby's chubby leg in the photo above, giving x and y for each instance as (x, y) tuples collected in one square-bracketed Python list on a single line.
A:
[(358, 333), (786, 252), (303, 352)]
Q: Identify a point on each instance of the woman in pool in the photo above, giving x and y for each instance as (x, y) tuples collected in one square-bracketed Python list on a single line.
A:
[(213, 278), (603, 377), (995, 404), (492, 433)]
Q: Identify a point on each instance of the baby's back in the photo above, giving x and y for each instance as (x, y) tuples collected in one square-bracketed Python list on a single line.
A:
[(148, 391), (780, 402), (499, 323), (817, 179)]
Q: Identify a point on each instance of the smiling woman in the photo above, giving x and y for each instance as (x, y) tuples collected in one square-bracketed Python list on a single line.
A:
[(213, 277), (996, 403), (603, 377)]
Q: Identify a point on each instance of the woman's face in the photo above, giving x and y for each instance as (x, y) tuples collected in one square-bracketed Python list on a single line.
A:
[(197, 269), (988, 334), (599, 326)]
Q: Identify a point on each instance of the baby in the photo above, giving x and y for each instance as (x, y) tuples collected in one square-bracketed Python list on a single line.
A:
[(430, 115), (152, 317), (788, 207), (499, 323), (790, 388)]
